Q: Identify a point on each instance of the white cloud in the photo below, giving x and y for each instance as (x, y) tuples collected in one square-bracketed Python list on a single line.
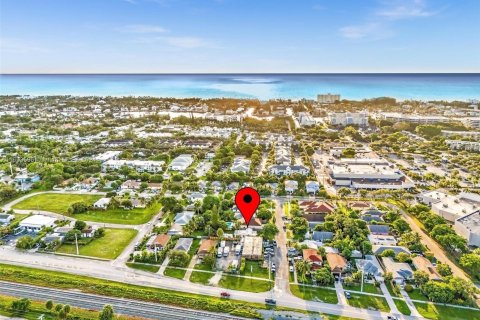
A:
[(143, 28), (404, 9), (186, 42), (20, 46), (374, 31)]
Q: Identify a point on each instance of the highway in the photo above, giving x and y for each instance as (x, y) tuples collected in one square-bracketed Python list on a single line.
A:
[(120, 306)]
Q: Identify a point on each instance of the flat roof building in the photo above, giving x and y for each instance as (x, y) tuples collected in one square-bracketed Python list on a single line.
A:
[(36, 222), (469, 227), (252, 248)]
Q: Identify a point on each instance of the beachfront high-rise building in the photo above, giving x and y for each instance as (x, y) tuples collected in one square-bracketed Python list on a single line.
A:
[(328, 98)]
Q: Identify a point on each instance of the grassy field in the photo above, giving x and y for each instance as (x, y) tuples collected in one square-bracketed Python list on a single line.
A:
[(416, 294), (201, 277), (366, 302), (175, 273), (254, 269), (143, 267), (367, 287), (314, 293), (121, 216), (402, 307), (63, 280), (109, 246), (59, 203), (438, 312), (244, 284), (55, 202)]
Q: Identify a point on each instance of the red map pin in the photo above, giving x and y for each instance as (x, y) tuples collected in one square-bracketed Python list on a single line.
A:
[(247, 201)]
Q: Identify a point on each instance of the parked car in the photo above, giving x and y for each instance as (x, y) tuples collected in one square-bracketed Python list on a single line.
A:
[(347, 295)]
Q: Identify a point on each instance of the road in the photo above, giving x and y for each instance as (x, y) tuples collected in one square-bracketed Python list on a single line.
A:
[(431, 244), (282, 276), (120, 305), (107, 270)]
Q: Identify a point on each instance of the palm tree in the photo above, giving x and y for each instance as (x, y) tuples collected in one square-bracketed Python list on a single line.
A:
[(303, 267)]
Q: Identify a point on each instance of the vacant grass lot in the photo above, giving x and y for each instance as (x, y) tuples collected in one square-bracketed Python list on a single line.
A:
[(55, 202), (201, 277), (59, 203), (367, 287), (254, 269), (109, 246), (244, 284), (314, 293), (143, 267), (438, 312), (366, 302), (175, 273)]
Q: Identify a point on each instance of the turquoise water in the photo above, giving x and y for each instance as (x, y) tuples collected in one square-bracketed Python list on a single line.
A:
[(261, 86)]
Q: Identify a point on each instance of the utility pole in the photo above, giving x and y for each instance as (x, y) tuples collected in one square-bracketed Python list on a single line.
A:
[(76, 243)]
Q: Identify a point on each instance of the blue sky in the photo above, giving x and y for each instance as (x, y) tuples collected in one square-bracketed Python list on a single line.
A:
[(168, 36)]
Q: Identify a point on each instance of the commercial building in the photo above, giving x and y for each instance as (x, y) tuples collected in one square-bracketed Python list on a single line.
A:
[(348, 118), (137, 165), (469, 227), (473, 122), (181, 163), (451, 207), (420, 119), (463, 145), (382, 240), (463, 134), (367, 173), (328, 98), (36, 222), (252, 248)]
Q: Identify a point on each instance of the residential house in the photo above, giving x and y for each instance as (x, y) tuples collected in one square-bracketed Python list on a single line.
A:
[(6, 218), (312, 186), (337, 263), (206, 246), (36, 222), (175, 230), (322, 236), (102, 203), (137, 165), (181, 163), (184, 217), (286, 170), (379, 249), (183, 244), (378, 229), (160, 241), (241, 164), (291, 186), (401, 271), (370, 267), (130, 185), (312, 256), (423, 264), (378, 239)]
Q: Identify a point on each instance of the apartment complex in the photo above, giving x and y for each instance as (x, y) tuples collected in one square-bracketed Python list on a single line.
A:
[(328, 98), (348, 118), (137, 165)]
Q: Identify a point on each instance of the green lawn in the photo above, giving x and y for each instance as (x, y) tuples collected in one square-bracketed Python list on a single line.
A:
[(365, 302), (439, 312), (121, 216), (55, 202), (59, 203), (175, 273), (389, 286), (254, 269), (367, 287), (244, 284), (109, 246), (201, 277), (194, 248), (402, 306), (143, 267), (416, 294), (314, 293)]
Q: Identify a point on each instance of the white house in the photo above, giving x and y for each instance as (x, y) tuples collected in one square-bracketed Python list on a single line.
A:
[(181, 163), (312, 186), (291, 186), (102, 203), (285, 170), (6, 218), (383, 240), (36, 222), (348, 118), (241, 164), (184, 217)]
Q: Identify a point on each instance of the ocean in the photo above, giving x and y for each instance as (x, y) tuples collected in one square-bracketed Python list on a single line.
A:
[(260, 86)]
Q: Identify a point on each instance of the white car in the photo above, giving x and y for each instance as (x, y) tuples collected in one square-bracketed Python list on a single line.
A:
[(291, 268)]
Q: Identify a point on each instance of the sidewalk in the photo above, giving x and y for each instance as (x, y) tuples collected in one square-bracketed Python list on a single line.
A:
[(163, 266), (190, 268)]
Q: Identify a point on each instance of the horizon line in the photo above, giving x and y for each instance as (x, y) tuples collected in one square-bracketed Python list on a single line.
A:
[(245, 73)]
